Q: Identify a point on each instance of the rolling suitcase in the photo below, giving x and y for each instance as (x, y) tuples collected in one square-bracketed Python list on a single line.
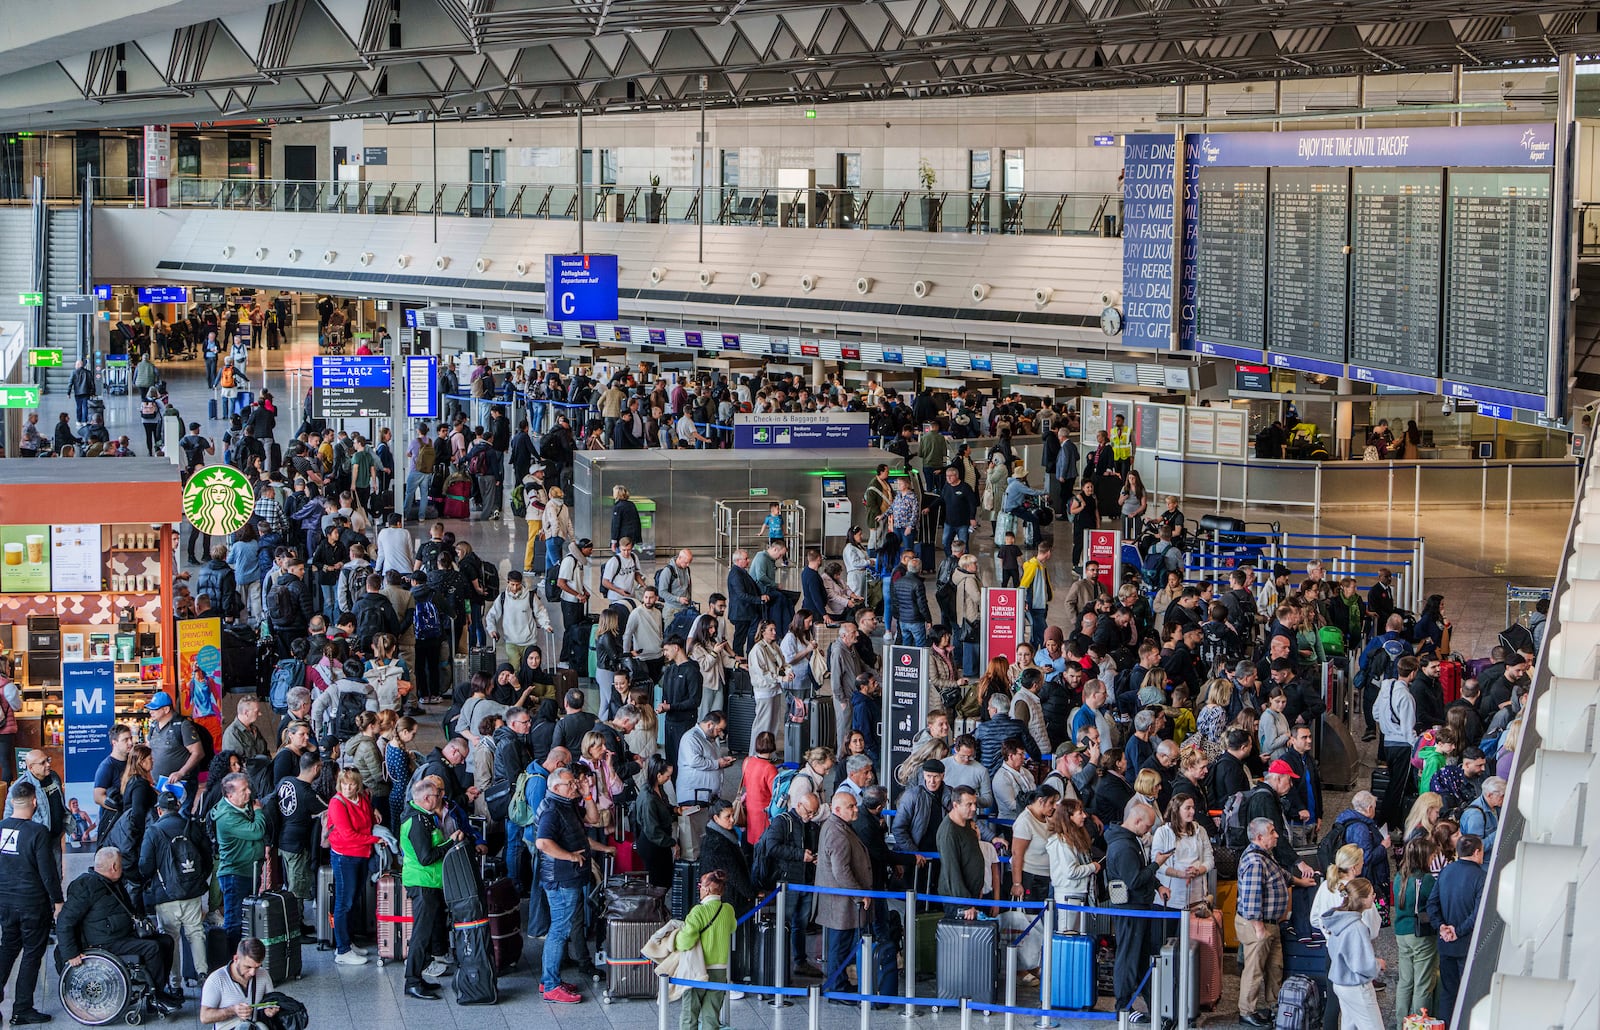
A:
[(1228, 903), (273, 918), (1451, 672), (1169, 979), (627, 859), (211, 409), (824, 723), (928, 941), (324, 908), (458, 500), (1072, 985), (685, 892), (755, 952), (394, 919), (741, 719), (797, 736), (628, 973), (1208, 960), (1105, 963), (463, 891), (216, 955), (481, 659), (475, 982), (505, 923), (968, 959)]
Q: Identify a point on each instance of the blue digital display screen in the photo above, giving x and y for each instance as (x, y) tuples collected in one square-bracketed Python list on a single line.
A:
[(163, 295)]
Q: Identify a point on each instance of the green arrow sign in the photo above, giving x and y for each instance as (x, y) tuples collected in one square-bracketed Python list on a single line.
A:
[(31, 300), (45, 357), (19, 396)]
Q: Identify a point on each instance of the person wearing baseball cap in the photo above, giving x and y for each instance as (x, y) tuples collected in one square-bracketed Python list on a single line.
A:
[(175, 747), (1265, 802)]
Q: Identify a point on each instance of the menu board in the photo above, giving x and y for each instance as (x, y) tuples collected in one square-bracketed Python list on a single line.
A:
[(76, 562), (1231, 257), (1497, 263), (26, 568), (1395, 272), (1306, 266)]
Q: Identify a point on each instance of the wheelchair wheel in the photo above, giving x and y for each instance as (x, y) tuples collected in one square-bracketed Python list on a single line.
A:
[(96, 992)]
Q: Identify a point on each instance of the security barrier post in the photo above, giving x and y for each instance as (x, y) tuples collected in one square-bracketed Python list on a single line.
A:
[(780, 940), (1011, 985), (864, 984)]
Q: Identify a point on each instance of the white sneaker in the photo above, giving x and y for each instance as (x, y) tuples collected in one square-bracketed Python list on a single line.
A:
[(350, 958), (735, 995), (359, 951), (436, 969)]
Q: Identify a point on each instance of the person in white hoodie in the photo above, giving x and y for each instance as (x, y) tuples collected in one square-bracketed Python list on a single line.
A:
[(1352, 965), (325, 710), (516, 617)]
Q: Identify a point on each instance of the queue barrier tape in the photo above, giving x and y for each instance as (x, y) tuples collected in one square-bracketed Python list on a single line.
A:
[(763, 903), (1017, 1010), (723, 985), (896, 1000), (1031, 906)]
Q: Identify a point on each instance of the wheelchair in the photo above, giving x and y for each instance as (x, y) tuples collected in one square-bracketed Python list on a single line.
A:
[(105, 989)]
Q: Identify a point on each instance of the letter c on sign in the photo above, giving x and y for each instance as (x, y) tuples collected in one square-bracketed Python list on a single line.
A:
[(566, 304)]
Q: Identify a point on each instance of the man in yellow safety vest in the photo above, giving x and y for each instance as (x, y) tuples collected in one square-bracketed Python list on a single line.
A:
[(1121, 445)]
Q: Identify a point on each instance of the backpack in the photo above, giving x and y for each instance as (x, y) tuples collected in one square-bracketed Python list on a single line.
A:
[(1234, 833), (489, 576), (349, 708), (285, 612), (1328, 847), (425, 458), (286, 675), (478, 462), (763, 871), (185, 867), (208, 747), (519, 812), (425, 620), (780, 793), (1213, 644), (1373, 672), (519, 500), (552, 592)]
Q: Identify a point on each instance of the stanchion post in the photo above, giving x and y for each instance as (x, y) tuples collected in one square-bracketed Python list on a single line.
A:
[(813, 1008), (966, 1016), (1046, 979), (662, 989), (1157, 987), (1011, 985), (1185, 971), (864, 984), (780, 939), (911, 948)]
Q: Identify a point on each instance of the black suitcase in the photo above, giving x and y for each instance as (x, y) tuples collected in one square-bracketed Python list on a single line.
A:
[(628, 973), (685, 893), (463, 891), (824, 725), (481, 659), (741, 718), (324, 908), (1105, 964), (968, 959), (273, 918), (755, 952), (475, 981), (211, 412), (797, 739)]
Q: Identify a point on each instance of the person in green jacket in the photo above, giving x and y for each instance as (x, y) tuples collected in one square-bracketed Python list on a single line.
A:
[(423, 845), (1419, 948), (710, 925), (240, 829)]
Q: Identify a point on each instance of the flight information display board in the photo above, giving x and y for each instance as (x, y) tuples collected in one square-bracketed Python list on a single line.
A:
[(1306, 266), (351, 387), (1497, 295), (1395, 270), (1231, 259)]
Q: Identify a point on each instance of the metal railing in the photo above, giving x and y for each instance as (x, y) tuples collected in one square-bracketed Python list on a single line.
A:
[(739, 522), (1021, 213)]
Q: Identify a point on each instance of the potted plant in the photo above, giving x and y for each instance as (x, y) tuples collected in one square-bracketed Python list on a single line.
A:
[(932, 207), (655, 204)]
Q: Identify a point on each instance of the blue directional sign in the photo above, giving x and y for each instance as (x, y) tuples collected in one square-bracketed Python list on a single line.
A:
[(163, 295), (581, 286), (351, 387)]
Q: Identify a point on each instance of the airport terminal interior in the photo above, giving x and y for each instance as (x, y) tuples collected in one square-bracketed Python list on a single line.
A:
[(1250, 347)]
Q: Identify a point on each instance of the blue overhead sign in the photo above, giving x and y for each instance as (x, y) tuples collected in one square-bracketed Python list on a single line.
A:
[(422, 386), (102, 291), (369, 372), (163, 295), (1470, 146), (1503, 412), (581, 286)]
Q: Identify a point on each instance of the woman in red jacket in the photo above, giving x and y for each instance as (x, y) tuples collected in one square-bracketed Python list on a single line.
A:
[(759, 771), (350, 823)]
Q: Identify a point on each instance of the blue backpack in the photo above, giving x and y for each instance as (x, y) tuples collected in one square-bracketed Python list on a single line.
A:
[(286, 675), (427, 621), (780, 792)]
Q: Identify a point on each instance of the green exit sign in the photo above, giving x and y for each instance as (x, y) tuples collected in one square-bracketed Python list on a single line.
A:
[(44, 357), (19, 396), (758, 491), (31, 300)]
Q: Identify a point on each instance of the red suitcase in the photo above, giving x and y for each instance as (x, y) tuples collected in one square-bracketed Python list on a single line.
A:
[(458, 499), (504, 905), (1208, 959), (394, 919), (627, 858), (1451, 672)]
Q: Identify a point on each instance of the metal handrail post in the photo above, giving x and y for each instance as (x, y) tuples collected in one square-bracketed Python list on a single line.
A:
[(966, 1016), (1046, 975), (662, 989), (780, 940), (911, 948), (813, 1008), (1185, 970), (1011, 985), (864, 979), (1157, 986)]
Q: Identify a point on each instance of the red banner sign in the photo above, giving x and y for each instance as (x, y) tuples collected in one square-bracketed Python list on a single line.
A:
[(1105, 548), (1002, 623)]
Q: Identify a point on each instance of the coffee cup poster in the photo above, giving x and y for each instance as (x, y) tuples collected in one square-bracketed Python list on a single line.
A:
[(26, 568)]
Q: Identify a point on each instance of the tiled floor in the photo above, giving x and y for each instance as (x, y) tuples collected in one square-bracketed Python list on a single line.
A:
[(1471, 556)]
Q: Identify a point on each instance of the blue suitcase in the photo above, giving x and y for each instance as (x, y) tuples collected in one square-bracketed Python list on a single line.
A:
[(242, 400), (211, 409), (1072, 985)]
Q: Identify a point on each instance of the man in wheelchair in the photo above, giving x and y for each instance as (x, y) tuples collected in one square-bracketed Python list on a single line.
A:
[(98, 914)]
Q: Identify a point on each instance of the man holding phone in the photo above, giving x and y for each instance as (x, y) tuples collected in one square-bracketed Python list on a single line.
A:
[(1133, 885)]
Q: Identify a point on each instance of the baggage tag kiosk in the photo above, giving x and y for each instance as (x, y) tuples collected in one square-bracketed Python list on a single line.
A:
[(837, 515)]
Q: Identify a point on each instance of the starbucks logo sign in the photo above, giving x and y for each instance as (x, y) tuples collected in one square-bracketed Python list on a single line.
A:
[(218, 500)]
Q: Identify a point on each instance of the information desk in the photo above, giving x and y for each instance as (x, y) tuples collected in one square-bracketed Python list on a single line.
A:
[(85, 591)]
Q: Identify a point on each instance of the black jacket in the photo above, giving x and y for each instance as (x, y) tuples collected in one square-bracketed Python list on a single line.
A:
[(792, 837), (374, 614), (97, 914), (521, 453), (625, 521), (995, 732), (909, 600), (720, 849), (623, 762), (27, 864), (888, 866), (744, 597), (1305, 794), (1111, 796), (1125, 861), (1264, 803), (1183, 787), (681, 687), (1228, 777)]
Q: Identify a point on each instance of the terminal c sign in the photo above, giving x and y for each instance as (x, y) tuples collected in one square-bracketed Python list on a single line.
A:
[(580, 287)]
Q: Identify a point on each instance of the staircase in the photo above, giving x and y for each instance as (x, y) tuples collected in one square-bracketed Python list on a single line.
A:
[(62, 276)]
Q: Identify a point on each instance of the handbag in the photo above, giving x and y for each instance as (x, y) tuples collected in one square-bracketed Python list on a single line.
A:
[(1424, 924), (819, 667), (970, 631)]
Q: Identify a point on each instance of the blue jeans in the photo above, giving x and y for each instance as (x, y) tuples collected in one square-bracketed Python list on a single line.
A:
[(515, 850), (913, 633), (475, 634), (961, 533), (842, 948), (83, 407), (348, 873), (563, 903), (554, 548), (536, 417), (330, 603), (799, 920), (416, 483), (234, 890), (1037, 618)]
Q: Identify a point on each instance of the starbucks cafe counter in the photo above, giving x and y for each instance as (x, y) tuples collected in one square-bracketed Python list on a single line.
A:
[(87, 549)]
